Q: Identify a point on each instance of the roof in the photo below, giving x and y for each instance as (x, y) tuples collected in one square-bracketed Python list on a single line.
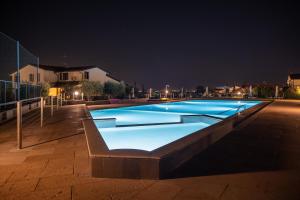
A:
[(294, 76), (112, 77), (65, 68), (79, 68)]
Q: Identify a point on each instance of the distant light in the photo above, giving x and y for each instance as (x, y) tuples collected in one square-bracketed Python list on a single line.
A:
[(239, 93), (167, 91), (76, 93)]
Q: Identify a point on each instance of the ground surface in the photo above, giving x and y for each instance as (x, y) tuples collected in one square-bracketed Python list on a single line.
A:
[(259, 160)]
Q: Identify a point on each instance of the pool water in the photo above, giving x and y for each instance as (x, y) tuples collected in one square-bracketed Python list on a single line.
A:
[(149, 127)]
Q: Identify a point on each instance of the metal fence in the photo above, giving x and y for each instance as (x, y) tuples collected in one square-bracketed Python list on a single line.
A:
[(9, 91), (16, 83)]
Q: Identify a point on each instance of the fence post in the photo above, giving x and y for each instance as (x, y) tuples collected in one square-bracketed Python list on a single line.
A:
[(4, 94), (61, 100), (42, 111), (19, 124), (51, 106), (57, 102)]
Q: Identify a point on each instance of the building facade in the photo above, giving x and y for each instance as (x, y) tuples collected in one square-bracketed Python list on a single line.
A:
[(294, 80), (59, 75)]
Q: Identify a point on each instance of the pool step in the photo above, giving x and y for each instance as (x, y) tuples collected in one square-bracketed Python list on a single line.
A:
[(111, 122)]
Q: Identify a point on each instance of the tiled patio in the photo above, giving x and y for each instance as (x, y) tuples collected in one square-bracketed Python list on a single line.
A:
[(259, 160)]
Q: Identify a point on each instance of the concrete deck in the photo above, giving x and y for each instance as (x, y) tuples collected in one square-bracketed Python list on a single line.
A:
[(258, 160)]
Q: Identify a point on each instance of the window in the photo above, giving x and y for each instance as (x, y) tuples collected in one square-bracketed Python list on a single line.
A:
[(86, 76), (64, 76), (31, 77)]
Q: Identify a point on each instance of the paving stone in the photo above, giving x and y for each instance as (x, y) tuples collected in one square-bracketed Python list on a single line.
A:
[(235, 193), (82, 164), (19, 187), (110, 188), (57, 194), (159, 190), (64, 181), (58, 167), (198, 189)]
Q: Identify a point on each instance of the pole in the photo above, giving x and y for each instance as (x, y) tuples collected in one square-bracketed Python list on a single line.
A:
[(133, 93), (61, 100), (57, 102), (181, 93), (166, 91), (26, 92), (51, 106), (42, 111), (37, 71), (4, 91), (19, 124), (18, 69), (150, 93)]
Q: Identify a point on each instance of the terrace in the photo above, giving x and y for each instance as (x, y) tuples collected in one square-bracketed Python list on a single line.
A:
[(259, 159)]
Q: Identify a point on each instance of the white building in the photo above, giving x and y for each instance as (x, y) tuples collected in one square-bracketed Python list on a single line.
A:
[(59, 75)]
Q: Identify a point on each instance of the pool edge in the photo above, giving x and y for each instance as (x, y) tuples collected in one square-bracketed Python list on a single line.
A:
[(159, 163)]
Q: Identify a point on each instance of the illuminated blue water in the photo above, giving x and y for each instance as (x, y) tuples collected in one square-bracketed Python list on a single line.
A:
[(136, 127)]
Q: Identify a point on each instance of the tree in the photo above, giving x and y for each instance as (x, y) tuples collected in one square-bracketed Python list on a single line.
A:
[(68, 89), (98, 88), (45, 89), (114, 89), (121, 90), (91, 88), (108, 88), (291, 93), (200, 90), (128, 90), (264, 91)]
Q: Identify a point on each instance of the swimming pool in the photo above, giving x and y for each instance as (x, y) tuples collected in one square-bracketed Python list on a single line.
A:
[(149, 127)]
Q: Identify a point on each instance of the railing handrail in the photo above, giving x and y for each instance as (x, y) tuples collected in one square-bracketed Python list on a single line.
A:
[(24, 100)]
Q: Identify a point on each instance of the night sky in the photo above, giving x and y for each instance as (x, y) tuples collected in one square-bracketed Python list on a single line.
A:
[(182, 44)]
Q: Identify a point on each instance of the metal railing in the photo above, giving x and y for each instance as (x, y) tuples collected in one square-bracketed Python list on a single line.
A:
[(9, 91)]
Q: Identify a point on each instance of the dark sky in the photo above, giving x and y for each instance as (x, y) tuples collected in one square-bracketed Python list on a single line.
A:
[(182, 44)]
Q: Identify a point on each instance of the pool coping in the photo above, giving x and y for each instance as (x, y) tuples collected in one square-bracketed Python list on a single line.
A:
[(156, 164)]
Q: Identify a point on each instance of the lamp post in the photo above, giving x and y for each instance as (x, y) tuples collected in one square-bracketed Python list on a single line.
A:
[(76, 93), (132, 93), (167, 91), (181, 94), (150, 93)]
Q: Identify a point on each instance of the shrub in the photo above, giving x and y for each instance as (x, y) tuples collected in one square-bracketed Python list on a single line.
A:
[(291, 93)]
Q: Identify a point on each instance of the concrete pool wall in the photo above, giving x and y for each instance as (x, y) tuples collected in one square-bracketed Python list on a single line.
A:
[(156, 164)]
